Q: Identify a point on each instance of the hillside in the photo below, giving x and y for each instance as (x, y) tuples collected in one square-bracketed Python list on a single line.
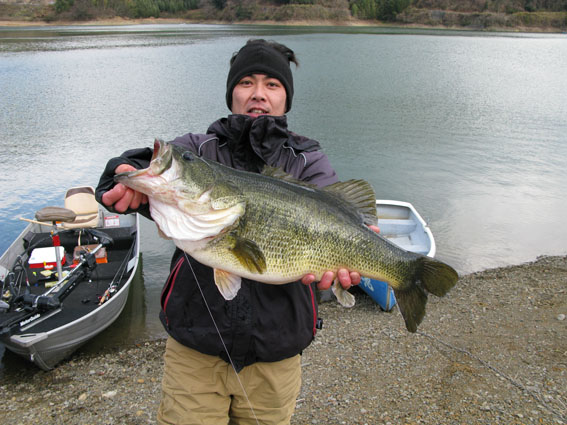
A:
[(524, 15)]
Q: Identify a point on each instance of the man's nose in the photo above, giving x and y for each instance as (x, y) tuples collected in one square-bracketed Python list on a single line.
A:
[(259, 92)]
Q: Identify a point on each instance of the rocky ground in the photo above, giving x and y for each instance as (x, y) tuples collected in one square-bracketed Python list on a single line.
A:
[(494, 351)]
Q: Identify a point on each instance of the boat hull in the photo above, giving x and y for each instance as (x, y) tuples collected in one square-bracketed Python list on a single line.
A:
[(46, 345), (401, 224), (47, 349)]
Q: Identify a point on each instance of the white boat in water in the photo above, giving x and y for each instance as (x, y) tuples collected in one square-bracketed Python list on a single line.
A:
[(66, 278), (401, 224)]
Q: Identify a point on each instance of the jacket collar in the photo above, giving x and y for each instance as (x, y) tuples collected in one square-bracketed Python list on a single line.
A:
[(255, 142)]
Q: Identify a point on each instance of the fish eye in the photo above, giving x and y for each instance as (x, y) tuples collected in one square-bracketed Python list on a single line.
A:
[(188, 156)]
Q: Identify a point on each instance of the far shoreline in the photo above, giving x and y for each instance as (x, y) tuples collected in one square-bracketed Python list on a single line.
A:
[(119, 21)]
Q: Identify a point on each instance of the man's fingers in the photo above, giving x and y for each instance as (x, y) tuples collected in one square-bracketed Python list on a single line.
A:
[(344, 278), (113, 195), (138, 199), (121, 197), (308, 279), (326, 280), (124, 203), (123, 168), (355, 278)]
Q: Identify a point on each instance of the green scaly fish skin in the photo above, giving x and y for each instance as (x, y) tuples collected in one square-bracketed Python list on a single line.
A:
[(273, 229)]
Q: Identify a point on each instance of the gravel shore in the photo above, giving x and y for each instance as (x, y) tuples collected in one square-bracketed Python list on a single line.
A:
[(493, 351)]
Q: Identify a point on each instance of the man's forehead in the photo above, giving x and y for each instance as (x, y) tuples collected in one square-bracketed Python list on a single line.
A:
[(260, 75)]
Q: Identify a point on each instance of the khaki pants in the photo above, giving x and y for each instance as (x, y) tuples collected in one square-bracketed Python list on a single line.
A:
[(202, 389)]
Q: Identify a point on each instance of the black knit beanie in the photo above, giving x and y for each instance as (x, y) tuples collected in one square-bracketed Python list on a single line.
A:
[(260, 58)]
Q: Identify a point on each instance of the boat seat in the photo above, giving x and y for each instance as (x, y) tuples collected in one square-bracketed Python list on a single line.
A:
[(81, 200), (53, 214)]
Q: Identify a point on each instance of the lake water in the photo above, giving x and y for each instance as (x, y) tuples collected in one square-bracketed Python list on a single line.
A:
[(469, 127)]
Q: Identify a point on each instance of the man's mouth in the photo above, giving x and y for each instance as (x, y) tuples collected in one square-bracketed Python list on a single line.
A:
[(257, 111)]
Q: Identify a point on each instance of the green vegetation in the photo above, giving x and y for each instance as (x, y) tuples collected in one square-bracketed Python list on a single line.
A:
[(475, 14), (92, 9), (382, 10), (496, 6)]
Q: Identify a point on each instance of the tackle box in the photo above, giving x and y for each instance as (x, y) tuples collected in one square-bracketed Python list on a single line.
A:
[(45, 258), (100, 255)]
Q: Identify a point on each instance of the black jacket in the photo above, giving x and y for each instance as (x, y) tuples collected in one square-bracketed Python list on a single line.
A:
[(264, 322)]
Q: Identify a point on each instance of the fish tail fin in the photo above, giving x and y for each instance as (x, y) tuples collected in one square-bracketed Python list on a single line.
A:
[(432, 276), (437, 277)]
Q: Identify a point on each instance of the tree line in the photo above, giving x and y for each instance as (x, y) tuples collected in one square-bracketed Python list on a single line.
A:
[(497, 6), (382, 10)]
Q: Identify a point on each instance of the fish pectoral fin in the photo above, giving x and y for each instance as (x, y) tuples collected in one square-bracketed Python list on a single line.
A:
[(228, 283), (249, 254), (345, 298)]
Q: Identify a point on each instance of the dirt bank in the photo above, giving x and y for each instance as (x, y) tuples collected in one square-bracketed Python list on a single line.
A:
[(494, 351), (118, 21)]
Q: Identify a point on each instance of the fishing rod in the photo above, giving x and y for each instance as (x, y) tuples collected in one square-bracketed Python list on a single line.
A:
[(121, 271)]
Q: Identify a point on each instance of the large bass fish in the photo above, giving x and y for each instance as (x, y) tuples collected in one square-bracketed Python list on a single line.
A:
[(273, 229)]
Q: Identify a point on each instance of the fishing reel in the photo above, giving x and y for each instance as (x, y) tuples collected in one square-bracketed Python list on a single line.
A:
[(14, 285)]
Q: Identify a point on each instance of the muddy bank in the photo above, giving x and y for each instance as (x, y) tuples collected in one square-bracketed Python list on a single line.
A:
[(493, 351), (119, 21)]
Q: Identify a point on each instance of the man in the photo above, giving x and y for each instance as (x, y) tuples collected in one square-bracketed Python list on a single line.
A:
[(262, 332)]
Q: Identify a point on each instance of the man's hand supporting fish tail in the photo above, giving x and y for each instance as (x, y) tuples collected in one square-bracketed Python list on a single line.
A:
[(346, 278)]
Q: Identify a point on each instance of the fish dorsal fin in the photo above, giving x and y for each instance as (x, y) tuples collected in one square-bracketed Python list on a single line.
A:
[(280, 174), (359, 194)]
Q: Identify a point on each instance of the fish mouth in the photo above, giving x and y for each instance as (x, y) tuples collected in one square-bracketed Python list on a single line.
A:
[(161, 161), (162, 157), (159, 147), (122, 177)]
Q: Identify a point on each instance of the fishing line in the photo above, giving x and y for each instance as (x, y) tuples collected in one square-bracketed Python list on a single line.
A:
[(498, 372), (222, 340)]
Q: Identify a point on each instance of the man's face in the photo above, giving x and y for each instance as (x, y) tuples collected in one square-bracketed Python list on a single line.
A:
[(257, 95)]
